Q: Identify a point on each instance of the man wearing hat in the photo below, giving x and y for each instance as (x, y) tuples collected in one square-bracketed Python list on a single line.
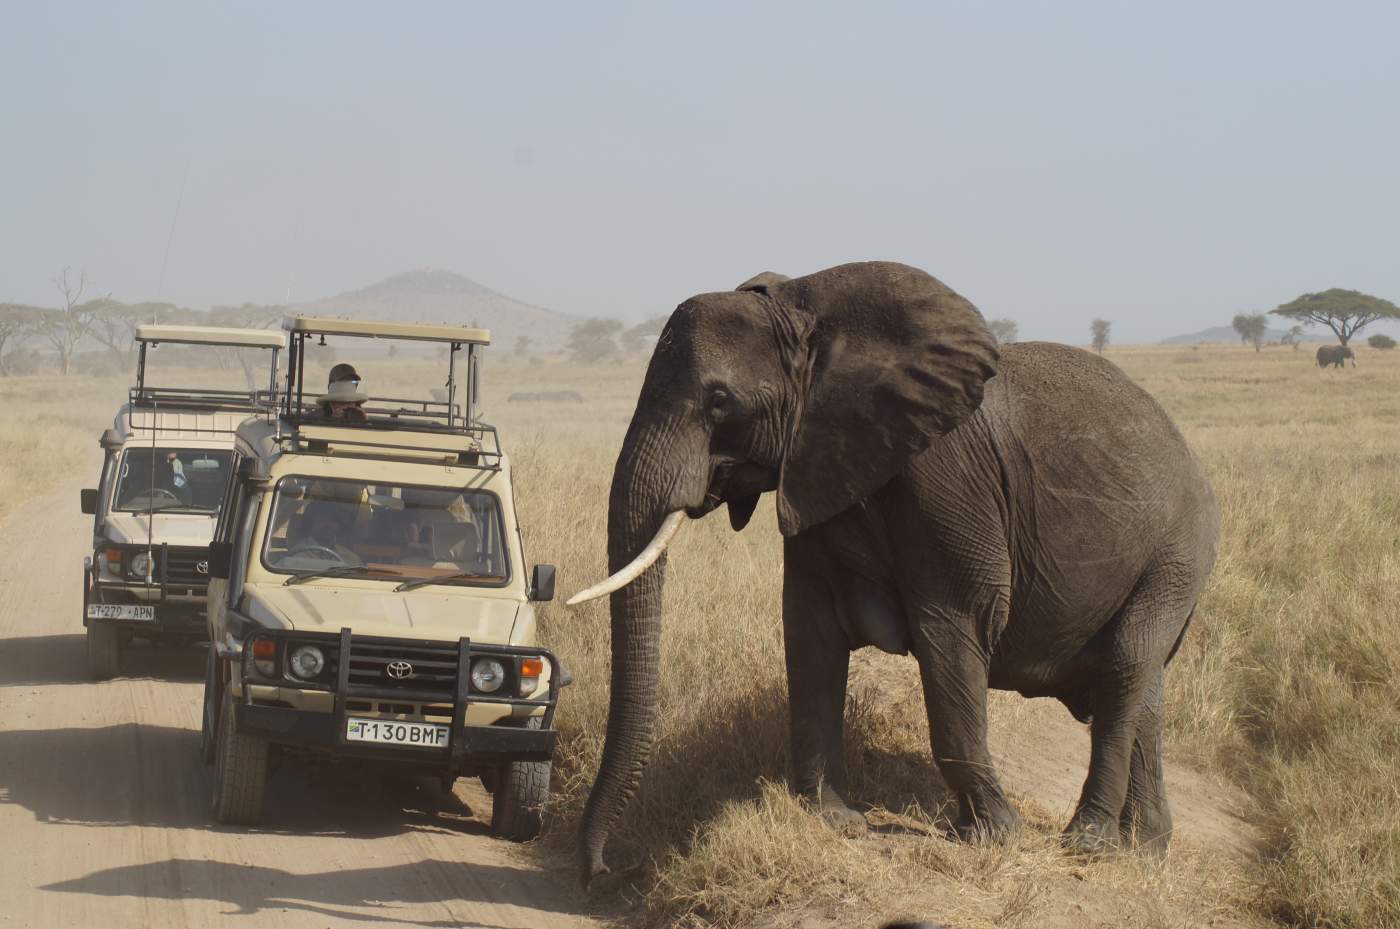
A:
[(342, 399)]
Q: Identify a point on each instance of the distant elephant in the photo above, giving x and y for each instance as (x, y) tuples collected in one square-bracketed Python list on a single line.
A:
[(1335, 355), (1029, 520)]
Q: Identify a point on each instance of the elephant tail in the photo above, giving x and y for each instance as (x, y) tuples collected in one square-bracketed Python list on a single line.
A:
[(1182, 635)]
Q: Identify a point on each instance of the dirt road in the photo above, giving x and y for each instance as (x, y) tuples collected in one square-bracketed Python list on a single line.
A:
[(103, 799)]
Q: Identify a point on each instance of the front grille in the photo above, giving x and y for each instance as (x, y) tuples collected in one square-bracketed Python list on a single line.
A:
[(183, 566), (434, 667)]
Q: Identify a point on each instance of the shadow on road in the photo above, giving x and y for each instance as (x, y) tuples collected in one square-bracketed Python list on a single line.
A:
[(371, 894), (62, 659), (142, 775)]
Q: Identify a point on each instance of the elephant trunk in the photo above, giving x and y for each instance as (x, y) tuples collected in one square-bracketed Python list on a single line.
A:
[(644, 489)]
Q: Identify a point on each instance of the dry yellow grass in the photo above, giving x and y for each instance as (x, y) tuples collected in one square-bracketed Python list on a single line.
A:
[(1289, 681)]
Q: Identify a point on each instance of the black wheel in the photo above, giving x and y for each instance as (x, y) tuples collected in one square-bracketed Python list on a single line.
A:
[(240, 770), (104, 650), (521, 791), (208, 730)]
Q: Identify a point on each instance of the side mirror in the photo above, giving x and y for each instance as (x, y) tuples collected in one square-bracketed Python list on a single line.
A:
[(542, 583), (88, 497), (220, 557)]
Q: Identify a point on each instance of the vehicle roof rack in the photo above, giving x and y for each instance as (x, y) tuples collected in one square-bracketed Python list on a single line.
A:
[(225, 336), (370, 329), (189, 409), (444, 413)]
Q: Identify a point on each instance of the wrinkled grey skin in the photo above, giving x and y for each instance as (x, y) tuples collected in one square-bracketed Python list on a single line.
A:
[(1044, 530), (1335, 355)]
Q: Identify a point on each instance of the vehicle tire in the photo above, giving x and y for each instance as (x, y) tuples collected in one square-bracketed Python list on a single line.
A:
[(208, 730), (104, 650), (522, 789), (240, 770)]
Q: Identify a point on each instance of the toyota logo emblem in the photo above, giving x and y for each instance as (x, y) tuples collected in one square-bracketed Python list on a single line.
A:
[(399, 670), (201, 567)]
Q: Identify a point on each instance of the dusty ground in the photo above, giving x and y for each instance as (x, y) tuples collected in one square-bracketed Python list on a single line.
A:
[(1042, 755), (103, 798)]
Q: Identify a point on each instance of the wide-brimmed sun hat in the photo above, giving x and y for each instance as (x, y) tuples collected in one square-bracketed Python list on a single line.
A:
[(343, 372), (342, 392)]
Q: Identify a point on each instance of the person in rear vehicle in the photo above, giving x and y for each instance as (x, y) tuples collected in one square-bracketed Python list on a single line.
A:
[(342, 401)]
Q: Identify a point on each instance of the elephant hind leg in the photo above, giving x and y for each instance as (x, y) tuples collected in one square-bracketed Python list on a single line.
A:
[(1125, 760), (1146, 821)]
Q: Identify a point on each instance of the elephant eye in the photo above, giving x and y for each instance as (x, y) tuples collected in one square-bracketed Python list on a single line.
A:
[(718, 403)]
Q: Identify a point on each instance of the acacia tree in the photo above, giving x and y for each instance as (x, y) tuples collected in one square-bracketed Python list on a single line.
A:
[(1004, 329), (1293, 337), (114, 324), (65, 327), (594, 340), (1098, 332), (246, 316), (17, 324), (1252, 327), (643, 336), (1345, 312)]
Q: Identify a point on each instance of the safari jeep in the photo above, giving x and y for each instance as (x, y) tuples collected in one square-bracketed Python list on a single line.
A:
[(370, 604), (166, 467)]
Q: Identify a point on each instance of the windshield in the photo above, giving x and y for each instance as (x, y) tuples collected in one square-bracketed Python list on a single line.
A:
[(179, 480), (390, 531)]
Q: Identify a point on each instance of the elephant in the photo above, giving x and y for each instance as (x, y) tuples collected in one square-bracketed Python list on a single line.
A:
[(1335, 356), (1023, 518)]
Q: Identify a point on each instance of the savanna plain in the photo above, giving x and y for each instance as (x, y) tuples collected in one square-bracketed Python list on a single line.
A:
[(1283, 704)]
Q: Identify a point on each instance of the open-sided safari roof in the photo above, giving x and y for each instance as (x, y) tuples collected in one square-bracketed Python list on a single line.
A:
[(364, 329), (212, 335)]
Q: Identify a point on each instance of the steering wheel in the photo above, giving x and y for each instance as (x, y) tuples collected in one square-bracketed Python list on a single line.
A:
[(163, 492), (318, 550)]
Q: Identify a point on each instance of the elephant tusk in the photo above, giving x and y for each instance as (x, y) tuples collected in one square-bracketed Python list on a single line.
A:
[(669, 527)]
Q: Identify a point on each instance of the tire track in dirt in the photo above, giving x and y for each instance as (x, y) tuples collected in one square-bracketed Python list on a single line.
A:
[(103, 799)]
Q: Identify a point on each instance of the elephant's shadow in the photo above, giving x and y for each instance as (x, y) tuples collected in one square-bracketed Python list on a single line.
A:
[(725, 754)]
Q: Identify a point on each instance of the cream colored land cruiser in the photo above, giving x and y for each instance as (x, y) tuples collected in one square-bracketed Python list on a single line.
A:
[(371, 601), (166, 467)]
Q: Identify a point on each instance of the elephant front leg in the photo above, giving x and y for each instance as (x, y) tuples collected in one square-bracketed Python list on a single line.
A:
[(817, 664), (955, 694)]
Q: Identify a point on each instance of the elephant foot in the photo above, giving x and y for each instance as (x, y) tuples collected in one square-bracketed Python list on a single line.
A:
[(1149, 836), (985, 816), (836, 814), (1090, 837)]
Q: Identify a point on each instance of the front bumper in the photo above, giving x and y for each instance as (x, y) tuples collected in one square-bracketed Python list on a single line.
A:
[(356, 683), (179, 610), (469, 748)]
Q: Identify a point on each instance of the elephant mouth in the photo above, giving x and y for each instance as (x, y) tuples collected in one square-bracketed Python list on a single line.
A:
[(733, 480)]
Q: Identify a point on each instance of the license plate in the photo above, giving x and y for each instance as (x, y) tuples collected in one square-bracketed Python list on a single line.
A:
[(146, 614), (389, 732)]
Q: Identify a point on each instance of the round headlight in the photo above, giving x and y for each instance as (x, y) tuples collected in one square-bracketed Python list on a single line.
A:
[(306, 662), (140, 564), (488, 675)]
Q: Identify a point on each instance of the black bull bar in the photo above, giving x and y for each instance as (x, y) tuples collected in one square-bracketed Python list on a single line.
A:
[(466, 744)]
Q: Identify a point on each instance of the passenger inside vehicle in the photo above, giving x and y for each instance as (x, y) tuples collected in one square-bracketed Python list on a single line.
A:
[(322, 526), (391, 531)]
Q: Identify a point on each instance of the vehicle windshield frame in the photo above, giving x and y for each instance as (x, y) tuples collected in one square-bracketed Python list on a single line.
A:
[(494, 582), (119, 476)]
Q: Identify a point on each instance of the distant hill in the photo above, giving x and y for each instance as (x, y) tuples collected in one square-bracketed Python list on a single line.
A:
[(1228, 334), (432, 296)]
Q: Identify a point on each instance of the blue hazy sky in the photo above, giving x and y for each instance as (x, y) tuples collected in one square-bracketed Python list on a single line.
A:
[(1161, 165)]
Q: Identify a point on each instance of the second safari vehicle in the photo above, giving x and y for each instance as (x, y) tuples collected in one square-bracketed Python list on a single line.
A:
[(369, 600)]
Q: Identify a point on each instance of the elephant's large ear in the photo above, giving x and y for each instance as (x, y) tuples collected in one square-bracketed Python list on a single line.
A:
[(760, 283), (894, 359)]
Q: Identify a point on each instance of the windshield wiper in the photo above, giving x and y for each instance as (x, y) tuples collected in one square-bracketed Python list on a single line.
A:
[(333, 571), (440, 579)]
